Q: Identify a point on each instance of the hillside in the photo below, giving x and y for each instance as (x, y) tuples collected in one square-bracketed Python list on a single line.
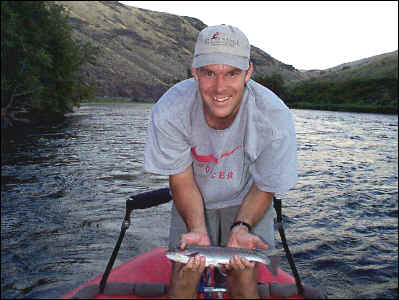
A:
[(145, 52), (375, 67), (366, 85)]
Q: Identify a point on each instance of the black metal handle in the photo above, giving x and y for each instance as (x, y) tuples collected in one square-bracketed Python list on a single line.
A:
[(277, 207), (148, 199), (139, 201)]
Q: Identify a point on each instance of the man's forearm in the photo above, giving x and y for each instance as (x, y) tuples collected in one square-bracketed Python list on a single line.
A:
[(188, 200), (254, 206)]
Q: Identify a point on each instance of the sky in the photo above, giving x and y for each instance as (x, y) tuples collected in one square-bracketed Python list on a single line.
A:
[(306, 34)]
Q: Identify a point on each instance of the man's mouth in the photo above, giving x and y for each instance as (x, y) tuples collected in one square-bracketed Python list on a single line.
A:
[(221, 99)]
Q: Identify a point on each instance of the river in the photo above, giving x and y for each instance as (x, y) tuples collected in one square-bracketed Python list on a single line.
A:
[(63, 192)]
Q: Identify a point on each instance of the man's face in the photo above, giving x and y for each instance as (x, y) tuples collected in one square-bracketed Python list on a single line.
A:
[(221, 88)]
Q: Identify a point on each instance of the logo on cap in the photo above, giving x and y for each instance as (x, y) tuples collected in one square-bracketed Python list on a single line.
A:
[(215, 35), (221, 39)]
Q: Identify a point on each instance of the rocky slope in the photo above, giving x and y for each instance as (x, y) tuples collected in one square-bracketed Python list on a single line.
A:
[(145, 52)]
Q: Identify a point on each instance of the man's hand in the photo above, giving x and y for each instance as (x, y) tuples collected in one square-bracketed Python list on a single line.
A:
[(194, 238), (185, 278), (240, 271), (241, 238)]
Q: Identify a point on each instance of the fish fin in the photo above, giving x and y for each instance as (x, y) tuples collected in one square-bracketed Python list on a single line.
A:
[(193, 254), (274, 264)]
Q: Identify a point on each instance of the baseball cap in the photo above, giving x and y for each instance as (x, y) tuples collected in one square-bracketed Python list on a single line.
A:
[(222, 44)]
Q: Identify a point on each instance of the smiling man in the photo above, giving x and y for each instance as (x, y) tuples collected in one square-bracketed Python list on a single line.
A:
[(228, 145)]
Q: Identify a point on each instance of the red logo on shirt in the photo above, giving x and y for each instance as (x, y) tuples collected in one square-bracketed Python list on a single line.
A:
[(210, 157)]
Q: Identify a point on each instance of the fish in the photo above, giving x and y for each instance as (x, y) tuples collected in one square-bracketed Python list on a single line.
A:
[(219, 256)]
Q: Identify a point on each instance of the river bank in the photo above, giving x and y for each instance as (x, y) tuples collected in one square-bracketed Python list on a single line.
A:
[(20, 119), (362, 108), (116, 100), (301, 105)]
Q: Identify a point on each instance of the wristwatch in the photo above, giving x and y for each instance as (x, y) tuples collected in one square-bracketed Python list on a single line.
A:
[(239, 223)]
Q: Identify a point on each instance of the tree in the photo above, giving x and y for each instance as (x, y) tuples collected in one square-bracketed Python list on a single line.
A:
[(274, 82), (40, 61)]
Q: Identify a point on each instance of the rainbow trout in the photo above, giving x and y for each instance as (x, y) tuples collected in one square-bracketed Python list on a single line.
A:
[(219, 256)]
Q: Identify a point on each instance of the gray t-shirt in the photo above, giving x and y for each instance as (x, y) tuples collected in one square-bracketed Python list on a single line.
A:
[(259, 146)]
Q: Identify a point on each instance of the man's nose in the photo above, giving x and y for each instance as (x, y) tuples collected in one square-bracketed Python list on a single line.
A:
[(220, 84)]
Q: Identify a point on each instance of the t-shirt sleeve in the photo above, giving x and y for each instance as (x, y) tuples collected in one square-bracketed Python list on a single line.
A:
[(275, 168), (167, 150)]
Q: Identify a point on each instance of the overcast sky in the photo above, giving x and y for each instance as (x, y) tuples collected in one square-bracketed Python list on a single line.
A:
[(305, 34)]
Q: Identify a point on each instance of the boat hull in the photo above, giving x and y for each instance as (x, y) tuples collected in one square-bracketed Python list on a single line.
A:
[(154, 267)]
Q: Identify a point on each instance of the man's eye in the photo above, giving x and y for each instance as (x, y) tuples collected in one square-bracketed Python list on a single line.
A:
[(209, 74)]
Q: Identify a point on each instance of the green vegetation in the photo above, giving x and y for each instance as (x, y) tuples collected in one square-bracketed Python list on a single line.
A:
[(363, 95), (40, 62), (142, 100), (275, 83), (347, 107), (377, 95)]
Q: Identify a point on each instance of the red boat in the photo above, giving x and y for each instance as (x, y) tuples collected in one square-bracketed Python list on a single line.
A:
[(147, 275)]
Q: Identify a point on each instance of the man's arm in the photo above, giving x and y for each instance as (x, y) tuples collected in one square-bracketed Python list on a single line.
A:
[(252, 210), (189, 203)]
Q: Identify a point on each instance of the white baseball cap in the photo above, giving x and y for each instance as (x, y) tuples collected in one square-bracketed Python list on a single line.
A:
[(222, 44)]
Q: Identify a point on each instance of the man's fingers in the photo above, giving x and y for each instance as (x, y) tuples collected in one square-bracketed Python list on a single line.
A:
[(247, 263), (195, 263), (239, 263), (182, 245), (246, 240), (185, 240), (194, 238), (235, 263), (260, 244)]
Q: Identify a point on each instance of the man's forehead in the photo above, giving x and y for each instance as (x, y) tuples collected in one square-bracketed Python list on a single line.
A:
[(219, 67)]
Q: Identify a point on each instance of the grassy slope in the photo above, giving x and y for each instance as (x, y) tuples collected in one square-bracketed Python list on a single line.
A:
[(369, 85)]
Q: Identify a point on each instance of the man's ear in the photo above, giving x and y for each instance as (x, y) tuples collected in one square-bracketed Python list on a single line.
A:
[(249, 72), (194, 72)]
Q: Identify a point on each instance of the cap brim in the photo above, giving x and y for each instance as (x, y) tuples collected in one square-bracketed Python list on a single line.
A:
[(221, 59)]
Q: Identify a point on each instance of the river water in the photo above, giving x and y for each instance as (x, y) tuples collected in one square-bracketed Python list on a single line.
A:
[(63, 192)]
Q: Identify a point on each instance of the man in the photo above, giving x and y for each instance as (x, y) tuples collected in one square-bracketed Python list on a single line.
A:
[(228, 145)]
